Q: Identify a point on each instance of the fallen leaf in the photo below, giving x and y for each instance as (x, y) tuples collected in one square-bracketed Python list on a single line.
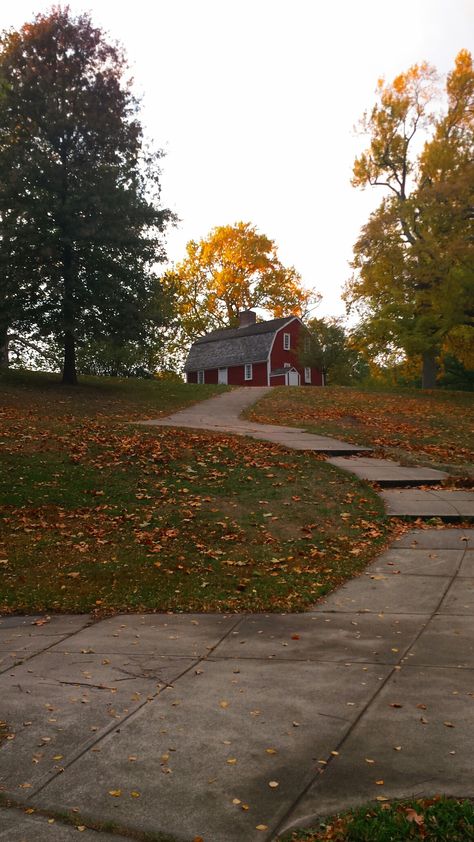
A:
[(116, 793), (261, 827), (231, 761), (273, 784), (448, 724), (413, 816)]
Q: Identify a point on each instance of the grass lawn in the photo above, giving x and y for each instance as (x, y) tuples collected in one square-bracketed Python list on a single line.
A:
[(98, 514), (433, 820), (432, 428)]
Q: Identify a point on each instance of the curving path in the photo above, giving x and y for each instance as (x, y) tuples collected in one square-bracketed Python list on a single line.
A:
[(233, 728)]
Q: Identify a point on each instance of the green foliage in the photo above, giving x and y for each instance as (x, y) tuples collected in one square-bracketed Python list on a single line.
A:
[(331, 350), (456, 376), (81, 222), (413, 282), (434, 820)]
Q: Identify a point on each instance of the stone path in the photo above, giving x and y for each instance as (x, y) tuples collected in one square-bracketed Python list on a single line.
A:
[(222, 414), (414, 503), (386, 472), (199, 714)]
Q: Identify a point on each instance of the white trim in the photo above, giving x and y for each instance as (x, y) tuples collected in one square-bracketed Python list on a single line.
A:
[(201, 375), (287, 365), (248, 367), (307, 374), (287, 377), (269, 359), (287, 341)]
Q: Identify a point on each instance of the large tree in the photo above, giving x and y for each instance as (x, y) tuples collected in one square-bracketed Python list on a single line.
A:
[(414, 259), (234, 268), (331, 349), (80, 217)]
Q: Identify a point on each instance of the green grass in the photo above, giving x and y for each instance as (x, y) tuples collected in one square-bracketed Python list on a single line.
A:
[(101, 515), (432, 428), (432, 820)]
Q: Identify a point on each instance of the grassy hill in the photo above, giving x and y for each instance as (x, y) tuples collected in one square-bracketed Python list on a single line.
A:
[(432, 428), (98, 514)]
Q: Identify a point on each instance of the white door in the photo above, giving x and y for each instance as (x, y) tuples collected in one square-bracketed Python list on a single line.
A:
[(222, 376), (293, 378)]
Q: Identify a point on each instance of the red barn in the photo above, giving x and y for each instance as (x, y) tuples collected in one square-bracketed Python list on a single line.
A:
[(263, 354)]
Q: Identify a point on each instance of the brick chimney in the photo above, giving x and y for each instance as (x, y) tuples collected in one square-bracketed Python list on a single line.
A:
[(247, 318)]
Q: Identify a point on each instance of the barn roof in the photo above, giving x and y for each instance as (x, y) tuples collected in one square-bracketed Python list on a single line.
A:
[(234, 346)]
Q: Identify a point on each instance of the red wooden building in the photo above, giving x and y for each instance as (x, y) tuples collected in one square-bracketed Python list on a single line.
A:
[(263, 354)]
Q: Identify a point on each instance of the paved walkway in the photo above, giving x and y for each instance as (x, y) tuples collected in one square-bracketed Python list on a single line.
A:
[(222, 414), (214, 726), (233, 728)]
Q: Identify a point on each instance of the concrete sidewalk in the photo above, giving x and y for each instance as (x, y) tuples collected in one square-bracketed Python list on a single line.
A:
[(221, 414), (234, 727)]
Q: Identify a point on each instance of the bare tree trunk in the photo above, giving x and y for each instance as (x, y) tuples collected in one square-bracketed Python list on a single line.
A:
[(430, 368), (4, 343)]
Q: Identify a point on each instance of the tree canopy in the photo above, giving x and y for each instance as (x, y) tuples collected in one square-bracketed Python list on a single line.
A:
[(80, 217), (234, 268), (414, 260), (331, 349)]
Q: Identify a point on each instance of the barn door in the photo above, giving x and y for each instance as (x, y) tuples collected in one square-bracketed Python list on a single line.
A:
[(293, 378), (222, 376)]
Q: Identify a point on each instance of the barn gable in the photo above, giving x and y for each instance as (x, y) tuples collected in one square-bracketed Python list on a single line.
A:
[(234, 346)]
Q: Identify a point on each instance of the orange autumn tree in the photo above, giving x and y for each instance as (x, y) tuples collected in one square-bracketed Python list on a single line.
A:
[(234, 268)]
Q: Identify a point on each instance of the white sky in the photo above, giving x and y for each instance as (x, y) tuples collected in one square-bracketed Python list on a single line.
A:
[(254, 102)]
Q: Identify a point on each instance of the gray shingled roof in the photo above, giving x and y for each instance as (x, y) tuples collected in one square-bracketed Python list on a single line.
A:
[(234, 346)]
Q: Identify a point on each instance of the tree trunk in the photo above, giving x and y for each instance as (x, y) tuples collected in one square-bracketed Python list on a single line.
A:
[(69, 369), (4, 342), (430, 368)]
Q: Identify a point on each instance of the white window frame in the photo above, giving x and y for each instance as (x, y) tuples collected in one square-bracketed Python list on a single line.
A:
[(248, 371), (307, 374), (201, 377), (286, 341), (286, 365)]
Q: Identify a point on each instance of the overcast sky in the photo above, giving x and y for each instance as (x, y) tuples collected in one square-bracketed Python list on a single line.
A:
[(254, 103)]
